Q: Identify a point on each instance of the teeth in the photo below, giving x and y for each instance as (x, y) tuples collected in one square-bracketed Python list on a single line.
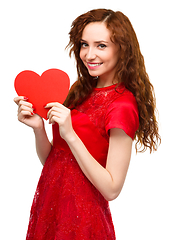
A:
[(94, 64)]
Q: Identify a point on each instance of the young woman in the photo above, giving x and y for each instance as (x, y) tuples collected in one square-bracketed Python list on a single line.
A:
[(111, 104)]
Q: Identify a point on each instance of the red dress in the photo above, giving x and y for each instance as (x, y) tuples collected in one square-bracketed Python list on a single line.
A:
[(66, 205)]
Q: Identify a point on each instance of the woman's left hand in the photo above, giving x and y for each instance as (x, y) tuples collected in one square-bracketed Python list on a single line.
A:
[(61, 115)]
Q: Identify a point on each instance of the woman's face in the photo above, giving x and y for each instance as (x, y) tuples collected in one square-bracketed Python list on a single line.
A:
[(98, 53)]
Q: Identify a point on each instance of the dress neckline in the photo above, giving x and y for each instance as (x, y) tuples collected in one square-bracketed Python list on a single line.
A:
[(109, 87)]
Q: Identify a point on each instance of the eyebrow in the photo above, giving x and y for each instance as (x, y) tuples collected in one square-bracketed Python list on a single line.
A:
[(82, 40)]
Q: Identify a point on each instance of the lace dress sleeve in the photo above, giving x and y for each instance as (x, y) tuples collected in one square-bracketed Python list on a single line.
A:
[(123, 113)]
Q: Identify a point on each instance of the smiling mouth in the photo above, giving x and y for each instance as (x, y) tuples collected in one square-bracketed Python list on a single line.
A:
[(93, 65)]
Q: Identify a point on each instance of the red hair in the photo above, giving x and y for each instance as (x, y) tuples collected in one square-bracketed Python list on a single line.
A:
[(130, 70)]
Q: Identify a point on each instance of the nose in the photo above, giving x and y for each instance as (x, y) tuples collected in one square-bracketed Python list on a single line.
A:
[(91, 55)]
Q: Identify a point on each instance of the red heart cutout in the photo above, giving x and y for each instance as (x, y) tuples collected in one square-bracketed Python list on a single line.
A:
[(52, 86)]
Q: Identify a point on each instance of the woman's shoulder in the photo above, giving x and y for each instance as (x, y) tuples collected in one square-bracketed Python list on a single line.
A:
[(123, 113), (124, 97)]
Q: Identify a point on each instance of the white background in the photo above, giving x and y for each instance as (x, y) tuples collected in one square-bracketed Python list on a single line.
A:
[(33, 35)]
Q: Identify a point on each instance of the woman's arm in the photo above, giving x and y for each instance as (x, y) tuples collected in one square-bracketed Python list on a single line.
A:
[(109, 181), (27, 116), (43, 145)]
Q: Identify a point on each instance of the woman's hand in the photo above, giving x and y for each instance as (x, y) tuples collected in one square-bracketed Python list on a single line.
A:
[(61, 115), (26, 113)]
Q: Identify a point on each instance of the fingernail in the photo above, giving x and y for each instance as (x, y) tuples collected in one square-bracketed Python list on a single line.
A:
[(32, 113), (33, 107), (25, 98)]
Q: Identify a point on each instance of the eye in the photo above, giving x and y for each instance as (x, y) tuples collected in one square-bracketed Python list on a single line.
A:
[(84, 44), (102, 46)]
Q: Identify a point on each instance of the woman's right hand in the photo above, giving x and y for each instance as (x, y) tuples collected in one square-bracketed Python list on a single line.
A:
[(26, 113)]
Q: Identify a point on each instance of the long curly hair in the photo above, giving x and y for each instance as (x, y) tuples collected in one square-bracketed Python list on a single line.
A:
[(130, 70)]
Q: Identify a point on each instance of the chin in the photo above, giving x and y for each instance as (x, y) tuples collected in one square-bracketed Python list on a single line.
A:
[(93, 74)]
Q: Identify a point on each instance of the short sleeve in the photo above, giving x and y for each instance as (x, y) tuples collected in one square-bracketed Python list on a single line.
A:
[(123, 113)]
